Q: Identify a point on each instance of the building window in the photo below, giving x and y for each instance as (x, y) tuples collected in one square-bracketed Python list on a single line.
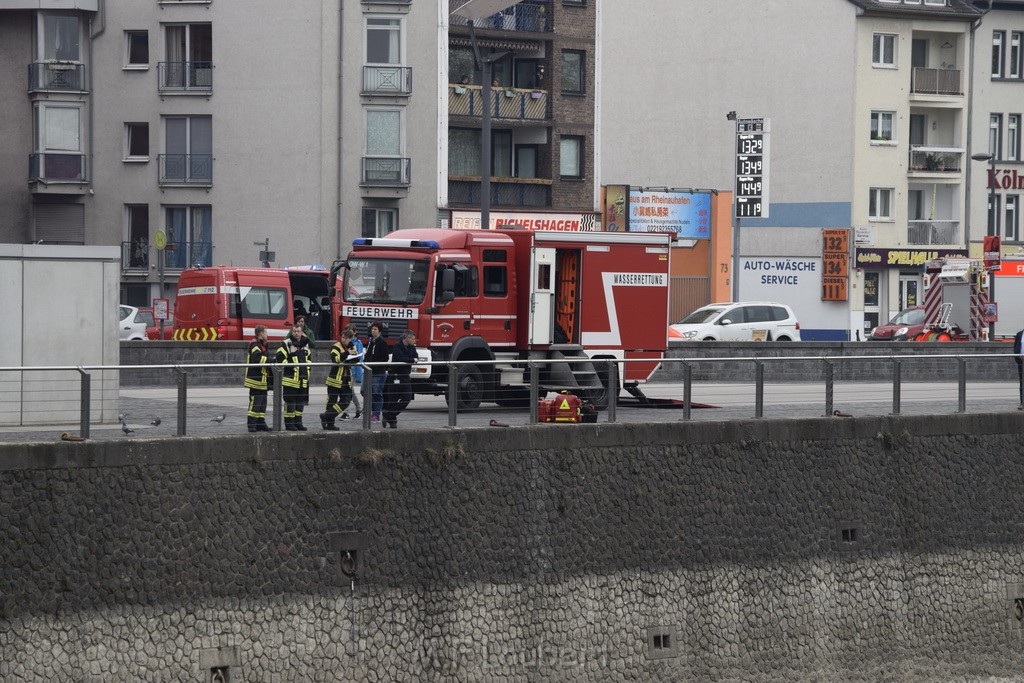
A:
[(881, 126), (998, 38), (385, 142), (1012, 214), (883, 50), (1016, 66), (1013, 137), (136, 256), (136, 141), (880, 204), (571, 157), (60, 38), (136, 44), (993, 213), (189, 231), (379, 222), (188, 57), (188, 150), (383, 41), (58, 143), (995, 134), (573, 62)]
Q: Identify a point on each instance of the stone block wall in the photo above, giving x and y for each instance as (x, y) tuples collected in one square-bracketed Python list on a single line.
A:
[(798, 549)]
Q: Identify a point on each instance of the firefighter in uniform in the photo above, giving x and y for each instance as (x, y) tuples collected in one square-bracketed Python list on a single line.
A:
[(339, 380), (293, 355), (256, 381)]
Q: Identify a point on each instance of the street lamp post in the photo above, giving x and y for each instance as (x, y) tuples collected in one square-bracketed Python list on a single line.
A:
[(991, 221)]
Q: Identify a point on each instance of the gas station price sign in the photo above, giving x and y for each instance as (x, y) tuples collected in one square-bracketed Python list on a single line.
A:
[(835, 263), (751, 190)]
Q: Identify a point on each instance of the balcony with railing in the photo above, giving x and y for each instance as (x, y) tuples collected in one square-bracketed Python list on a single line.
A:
[(386, 171), (185, 78), (506, 103), (56, 76), (387, 80), (935, 160), (947, 81), (933, 232), (135, 256), (57, 167), (465, 191), (524, 16), (181, 255), (185, 169)]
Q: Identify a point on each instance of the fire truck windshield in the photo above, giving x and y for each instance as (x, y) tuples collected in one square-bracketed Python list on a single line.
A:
[(385, 281)]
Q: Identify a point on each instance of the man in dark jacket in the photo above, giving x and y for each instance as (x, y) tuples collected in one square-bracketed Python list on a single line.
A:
[(377, 351), (256, 381), (398, 384)]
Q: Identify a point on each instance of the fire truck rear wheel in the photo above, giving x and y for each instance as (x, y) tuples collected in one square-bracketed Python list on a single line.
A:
[(471, 388)]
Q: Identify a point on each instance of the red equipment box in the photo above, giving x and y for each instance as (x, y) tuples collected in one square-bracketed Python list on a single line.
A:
[(563, 408)]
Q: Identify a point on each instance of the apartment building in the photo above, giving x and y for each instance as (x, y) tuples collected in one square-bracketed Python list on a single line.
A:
[(997, 184), (868, 104), (206, 132)]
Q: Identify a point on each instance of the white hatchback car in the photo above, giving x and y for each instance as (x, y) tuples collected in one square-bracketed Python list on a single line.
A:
[(131, 324), (740, 321)]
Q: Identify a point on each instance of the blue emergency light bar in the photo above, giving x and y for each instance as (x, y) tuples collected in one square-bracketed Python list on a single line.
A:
[(391, 242)]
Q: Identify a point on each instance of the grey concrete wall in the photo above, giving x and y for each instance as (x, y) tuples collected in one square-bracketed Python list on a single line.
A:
[(711, 361), (821, 549)]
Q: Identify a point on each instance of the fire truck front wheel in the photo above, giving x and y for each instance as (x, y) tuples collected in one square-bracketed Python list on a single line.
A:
[(471, 388)]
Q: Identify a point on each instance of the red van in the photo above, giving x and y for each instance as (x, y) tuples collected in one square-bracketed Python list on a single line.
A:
[(227, 303)]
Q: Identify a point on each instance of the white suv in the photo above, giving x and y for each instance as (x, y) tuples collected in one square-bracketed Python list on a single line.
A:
[(742, 321)]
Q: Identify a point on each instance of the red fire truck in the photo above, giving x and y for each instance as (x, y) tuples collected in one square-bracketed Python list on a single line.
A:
[(515, 295), (955, 295)]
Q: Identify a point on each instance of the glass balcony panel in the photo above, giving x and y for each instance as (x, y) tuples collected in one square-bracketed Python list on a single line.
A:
[(386, 170), (387, 80), (933, 232), (56, 76), (936, 159), (186, 169), (466, 191), (56, 167), (185, 77)]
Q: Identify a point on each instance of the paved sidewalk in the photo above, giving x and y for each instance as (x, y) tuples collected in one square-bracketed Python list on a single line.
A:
[(733, 401)]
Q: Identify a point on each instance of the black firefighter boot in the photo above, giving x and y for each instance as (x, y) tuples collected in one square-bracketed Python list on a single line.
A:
[(289, 424), (262, 426), (327, 421), (299, 427), (250, 423)]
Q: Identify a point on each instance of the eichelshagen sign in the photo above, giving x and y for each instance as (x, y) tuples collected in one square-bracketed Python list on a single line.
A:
[(896, 258)]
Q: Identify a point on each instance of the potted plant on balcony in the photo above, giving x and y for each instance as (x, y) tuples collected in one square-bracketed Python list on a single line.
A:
[(510, 92), (537, 94)]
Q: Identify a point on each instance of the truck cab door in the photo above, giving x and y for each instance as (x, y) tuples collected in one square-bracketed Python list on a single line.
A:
[(542, 295)]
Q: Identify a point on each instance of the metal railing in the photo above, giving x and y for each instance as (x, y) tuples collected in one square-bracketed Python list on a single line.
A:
[(185, 77), (933, 232), (935, 159), (386, 170), (523, 104), (51, 392), (56, 77), (523, 16), (936, 81), (57, 167), (135, 255), (387, 80), (187, 169), (521, 192), (181, 255)]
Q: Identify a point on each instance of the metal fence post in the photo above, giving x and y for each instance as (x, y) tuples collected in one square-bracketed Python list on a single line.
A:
[(182, 380), (759, 390), (278, 399), (453, 394), (687, 390), (613, 389), (829, 388), (367, 389), (962, 386), (534, 392), (896, 369), (86, 403)]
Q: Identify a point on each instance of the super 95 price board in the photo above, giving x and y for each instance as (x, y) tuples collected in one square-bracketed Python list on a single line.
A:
[(835, 263)]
